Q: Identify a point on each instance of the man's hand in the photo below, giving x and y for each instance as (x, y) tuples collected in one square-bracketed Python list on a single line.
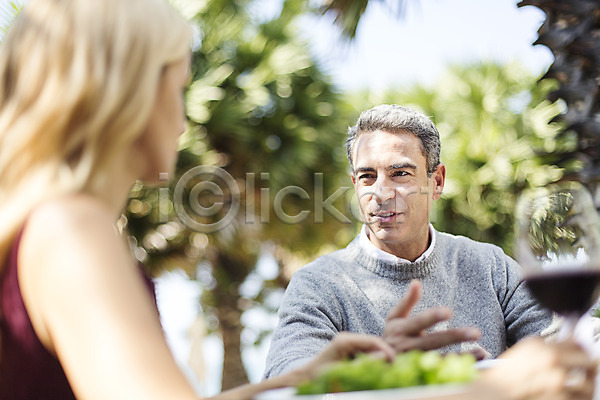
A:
[(404, 332)]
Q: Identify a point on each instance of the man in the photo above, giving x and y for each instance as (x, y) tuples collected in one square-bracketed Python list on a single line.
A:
[(472, 299)]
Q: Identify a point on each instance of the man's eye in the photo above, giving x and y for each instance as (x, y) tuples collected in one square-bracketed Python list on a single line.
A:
[(400, 173), (363, 177)]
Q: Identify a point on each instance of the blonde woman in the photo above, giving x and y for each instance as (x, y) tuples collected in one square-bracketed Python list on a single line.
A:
[(90, 102)]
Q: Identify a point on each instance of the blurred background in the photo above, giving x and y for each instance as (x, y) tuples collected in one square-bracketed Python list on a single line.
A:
[(262, 183)]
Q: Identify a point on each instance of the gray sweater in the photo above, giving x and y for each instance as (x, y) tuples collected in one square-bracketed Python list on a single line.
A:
[(349, 291)]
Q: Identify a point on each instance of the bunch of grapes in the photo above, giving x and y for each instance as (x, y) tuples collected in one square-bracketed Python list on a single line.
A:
[(412, 368)]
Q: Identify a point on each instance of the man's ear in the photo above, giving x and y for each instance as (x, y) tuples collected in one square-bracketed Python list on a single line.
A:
[(353, 178), (439, 179)]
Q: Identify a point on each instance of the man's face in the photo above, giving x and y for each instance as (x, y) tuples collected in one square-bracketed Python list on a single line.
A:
[(394, 191)]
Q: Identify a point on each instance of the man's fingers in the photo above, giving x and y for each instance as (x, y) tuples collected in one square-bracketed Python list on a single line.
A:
[(479, 353), (404, 332), (418, 323), (403, 308), (436, 340), (349, 343)]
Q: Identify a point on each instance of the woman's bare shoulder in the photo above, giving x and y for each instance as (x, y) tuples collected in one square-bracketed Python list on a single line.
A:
[(74, 227), (69, 250)]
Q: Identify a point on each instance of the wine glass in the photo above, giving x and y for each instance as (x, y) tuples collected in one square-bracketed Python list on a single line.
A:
[(558, 245)]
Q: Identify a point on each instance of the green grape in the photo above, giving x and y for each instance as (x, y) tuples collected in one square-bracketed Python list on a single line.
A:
[(358, 374), (411, 368), (430, 363), (403, 372), (456, 368)]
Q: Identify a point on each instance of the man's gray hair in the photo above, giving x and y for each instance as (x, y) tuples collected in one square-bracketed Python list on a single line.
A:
[(395, 119)]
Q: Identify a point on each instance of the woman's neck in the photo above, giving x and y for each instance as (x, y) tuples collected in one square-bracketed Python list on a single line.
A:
[(114, 187)]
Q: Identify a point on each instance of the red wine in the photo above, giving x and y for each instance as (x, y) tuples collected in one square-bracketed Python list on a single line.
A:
[(567, 291)]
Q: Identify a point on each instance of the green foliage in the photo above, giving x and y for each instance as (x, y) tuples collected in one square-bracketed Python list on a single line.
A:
[(549, 230), (260, 109), (412, 368)]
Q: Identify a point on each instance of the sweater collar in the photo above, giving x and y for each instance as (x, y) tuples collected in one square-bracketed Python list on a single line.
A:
[(399, 270), (368, 247)]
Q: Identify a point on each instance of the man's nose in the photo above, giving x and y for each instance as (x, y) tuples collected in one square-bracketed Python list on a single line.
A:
[(383, 191)]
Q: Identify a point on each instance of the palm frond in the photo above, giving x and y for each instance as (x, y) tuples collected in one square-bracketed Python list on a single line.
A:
[(348, 13), (8, 12)]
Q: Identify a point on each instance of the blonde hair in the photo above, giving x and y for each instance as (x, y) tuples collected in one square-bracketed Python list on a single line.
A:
[(78, 80)]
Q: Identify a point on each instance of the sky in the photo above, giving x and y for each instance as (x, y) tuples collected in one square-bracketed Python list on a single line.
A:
[(392, 51), (388, 52)]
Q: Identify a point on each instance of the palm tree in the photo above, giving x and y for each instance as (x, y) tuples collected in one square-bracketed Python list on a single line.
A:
[(571, 32)]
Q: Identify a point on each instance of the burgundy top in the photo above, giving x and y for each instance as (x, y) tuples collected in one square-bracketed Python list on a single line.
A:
[(27, 370)]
